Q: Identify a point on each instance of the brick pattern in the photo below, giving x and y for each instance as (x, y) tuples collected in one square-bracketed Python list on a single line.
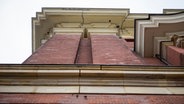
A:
[(91, 99), (99, 49), (84, 53), (109, 49), (60, 49), (175, 55)]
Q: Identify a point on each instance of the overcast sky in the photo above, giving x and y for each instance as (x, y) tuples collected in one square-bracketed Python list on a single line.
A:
[(15, 19)]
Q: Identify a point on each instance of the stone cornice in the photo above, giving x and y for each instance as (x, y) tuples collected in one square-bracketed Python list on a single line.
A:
[(82, 76), (153, 21), (81, 13)]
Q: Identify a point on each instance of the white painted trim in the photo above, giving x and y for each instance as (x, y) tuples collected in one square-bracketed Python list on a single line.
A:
[(102, 30), (153, 22), (68, 30)]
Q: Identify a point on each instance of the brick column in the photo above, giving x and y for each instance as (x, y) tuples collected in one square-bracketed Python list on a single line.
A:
[(108, 49), (60, 49)]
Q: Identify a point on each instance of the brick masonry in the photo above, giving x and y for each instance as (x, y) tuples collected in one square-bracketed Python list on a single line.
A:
[(60, 49), (109, 49), (96, 49), (175, 55), (106, 49), (91, 99), (84, 53)]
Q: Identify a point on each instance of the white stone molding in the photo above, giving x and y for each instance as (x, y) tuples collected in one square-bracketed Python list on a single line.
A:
[(91, 79), (153, 21), (79, 12), (68, 30)]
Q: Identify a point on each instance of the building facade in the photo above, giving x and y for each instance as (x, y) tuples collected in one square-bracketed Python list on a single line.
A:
[(90, 51)]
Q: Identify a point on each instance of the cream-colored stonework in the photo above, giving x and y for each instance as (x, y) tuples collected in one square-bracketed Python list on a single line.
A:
[(118, 21), (91, 79), (102, 89), (92, 89), (156, 26)]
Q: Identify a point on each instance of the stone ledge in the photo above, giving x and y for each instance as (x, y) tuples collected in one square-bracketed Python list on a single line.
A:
[(94, 73), (93, 81), (88, 66), (38, 73), (97, 75), (92, 89)]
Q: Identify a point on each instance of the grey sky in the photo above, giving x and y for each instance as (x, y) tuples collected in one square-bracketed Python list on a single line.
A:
[(15, 19)]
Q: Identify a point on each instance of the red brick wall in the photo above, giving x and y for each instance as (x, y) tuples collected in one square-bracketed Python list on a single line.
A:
[(175, 55), (90, 99), (109, 49), (60, 49)]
